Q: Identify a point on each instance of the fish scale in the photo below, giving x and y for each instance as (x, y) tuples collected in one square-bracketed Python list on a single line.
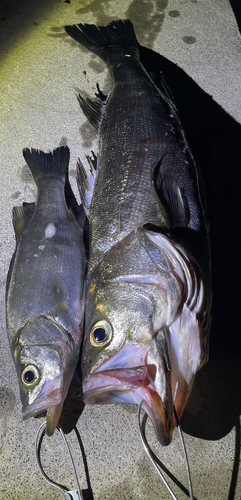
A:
[(124, 174), (148, 280), (44, 288), (38, 252), (131, 156)]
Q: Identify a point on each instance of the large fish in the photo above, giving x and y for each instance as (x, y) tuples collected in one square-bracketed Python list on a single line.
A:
[(44, 296), (148, 285)]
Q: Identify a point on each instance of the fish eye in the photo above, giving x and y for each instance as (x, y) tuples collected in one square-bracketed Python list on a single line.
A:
[(100, 333), (30, 375)]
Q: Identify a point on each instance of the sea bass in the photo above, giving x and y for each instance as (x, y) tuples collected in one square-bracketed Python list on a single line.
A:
[(148, 285), (44, 295)]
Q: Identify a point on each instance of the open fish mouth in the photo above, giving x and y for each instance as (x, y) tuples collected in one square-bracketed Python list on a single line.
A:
[(131, 385)]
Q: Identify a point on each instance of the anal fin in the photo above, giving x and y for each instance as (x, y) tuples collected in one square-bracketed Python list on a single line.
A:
[(21, 217)]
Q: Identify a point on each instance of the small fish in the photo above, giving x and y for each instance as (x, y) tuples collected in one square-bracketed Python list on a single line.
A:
[(44, 293), (148, 283)]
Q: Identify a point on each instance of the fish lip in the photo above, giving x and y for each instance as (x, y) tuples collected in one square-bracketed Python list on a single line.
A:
[(52, 418), (50, 399), (53, 408), (42, 405), (137, 391), (138, 374), (161, 419)]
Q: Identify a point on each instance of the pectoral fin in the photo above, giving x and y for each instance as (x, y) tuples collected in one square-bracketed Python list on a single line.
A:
[(61, 306), (170, 196)]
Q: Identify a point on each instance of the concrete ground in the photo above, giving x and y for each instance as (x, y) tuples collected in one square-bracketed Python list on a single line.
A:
[(39, 69)]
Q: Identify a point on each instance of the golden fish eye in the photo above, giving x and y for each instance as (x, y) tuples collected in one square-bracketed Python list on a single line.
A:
[(100, 333), (30, 375)]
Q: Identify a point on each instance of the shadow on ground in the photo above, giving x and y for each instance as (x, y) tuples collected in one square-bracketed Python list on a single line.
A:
[(215, 140)]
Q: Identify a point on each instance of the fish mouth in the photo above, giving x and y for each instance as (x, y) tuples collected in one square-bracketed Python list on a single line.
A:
[(52, 405), (131, 385)]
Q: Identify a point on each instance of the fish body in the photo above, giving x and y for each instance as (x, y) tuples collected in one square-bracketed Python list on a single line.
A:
[(147, 149), (148, 300), (44, 296)]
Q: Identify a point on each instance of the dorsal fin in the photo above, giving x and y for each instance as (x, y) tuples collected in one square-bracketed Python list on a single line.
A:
[(92, 109)]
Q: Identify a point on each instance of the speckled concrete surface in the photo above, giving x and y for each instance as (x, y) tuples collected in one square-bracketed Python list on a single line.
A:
[(40, 68)]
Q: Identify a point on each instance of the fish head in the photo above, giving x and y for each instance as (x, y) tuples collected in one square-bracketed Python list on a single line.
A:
[(125, 352), (45, 358), (147, 323)]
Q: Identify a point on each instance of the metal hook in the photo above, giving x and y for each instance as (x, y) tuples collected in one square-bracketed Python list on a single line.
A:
[(68, 495), (151, 455)]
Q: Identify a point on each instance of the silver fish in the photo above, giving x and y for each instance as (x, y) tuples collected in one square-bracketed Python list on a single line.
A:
[(148, 284), (44, 294)]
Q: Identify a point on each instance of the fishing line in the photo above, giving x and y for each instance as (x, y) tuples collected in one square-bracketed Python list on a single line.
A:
[(89, 490), (185, 454), (148, 452), (152, 458), (68, 495)]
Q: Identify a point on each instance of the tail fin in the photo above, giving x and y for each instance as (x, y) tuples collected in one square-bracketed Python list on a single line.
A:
[(99, 39), (48, 164)]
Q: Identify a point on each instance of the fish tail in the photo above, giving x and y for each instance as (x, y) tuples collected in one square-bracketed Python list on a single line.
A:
[(48, 164), (101, 40)]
